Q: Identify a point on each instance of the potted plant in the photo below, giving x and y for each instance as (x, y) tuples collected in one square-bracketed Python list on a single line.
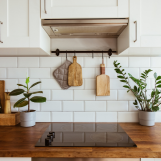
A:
[(27, 118), (146, 106)]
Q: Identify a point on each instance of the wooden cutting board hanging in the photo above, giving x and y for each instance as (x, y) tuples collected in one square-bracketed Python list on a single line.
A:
[(75, 73), (102, 82)]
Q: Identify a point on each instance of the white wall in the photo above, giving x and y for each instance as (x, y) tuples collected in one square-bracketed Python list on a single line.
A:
[(78, 104)]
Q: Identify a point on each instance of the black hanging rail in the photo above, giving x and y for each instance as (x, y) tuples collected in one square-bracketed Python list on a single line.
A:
[(57, 52)]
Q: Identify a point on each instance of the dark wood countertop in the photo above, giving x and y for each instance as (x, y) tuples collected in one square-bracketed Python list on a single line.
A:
[(20, 142)]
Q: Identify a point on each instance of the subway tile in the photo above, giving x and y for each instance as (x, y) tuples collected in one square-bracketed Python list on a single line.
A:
[(84, 95), (17, 72), (117, 105), (50, 62), (133, 71), (158, 116), (51, 72), (106, 116), (151, 74), (123, 95), (155, 62), (2, 72), (139, 51), (73, 106), (43, 117), (116, 84), (33, 106), (128, 117), (95, 62), (79, 60), (11, 83), (122, 60), (12, 108), (139, 62), (28, 62), (51, 106), (39, 72), (49, 84), (90, 84), (62, 95), (132, 107), (108, 71), (112, 97), (84, 116), (78, 87), (95, 105), (8, 62), (32, 81), (148, 159), (88, 73), (62, 116)]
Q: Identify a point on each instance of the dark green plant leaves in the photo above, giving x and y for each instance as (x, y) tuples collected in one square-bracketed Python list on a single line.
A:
[(155, 108), (119, 76), (27, 95), (16, 92), (158, 82), (24, 103), (37, 92), (126, 86), (34, 84), (19, 103), (38, 99), (159, 86), (159, 77), (22, 85)]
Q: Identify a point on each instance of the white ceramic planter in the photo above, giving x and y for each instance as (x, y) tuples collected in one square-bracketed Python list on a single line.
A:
[(147, 118), (27, 119)]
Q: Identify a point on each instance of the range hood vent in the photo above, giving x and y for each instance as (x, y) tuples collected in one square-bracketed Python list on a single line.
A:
[(84, 28)]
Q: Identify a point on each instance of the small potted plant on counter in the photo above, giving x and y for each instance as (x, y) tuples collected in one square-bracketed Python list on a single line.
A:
[(27, 118), (147, 106)]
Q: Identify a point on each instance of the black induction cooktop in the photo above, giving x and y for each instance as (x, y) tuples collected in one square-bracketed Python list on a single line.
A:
[(85, 135)]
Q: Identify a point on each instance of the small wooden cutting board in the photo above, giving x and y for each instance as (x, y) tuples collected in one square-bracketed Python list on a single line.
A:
[(102, 83), (75, 73)]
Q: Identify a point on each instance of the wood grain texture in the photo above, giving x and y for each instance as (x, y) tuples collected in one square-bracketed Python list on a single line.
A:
[(20, 142), (7, 105), (75, 74), (2, 90), (9, 119)]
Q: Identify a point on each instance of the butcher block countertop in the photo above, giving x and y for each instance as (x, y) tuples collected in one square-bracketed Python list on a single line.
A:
[(17, 141)]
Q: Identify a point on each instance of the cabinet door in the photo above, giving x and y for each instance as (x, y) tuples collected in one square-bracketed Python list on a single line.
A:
[(84, 9), (14, 14)]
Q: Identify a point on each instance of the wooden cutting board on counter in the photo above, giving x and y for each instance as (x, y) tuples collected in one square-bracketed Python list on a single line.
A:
[(102, 83), (75, 73)]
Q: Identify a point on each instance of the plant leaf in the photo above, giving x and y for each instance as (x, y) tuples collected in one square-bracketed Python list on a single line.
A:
[(27, 80), (159, 86), (38, 99), (16, 92), (126, 86), (35, 84), (24, 103), (119, 76), (37, 92), (27, 95), (159, 77), (155, 108), (158, 82), (19, 102), (122, 81), (21, 85)]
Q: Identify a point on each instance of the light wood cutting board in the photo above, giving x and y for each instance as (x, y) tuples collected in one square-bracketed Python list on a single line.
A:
[(75, 73), (102, 83)]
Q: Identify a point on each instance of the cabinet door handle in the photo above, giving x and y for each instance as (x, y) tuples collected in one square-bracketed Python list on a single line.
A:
[(135, 22), (0, 32), (45, 6)]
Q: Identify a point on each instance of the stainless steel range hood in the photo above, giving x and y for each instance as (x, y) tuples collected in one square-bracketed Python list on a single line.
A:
[(84, 28)]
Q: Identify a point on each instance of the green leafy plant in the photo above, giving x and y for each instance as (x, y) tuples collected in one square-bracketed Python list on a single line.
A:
[(142, 102), (27, 94)]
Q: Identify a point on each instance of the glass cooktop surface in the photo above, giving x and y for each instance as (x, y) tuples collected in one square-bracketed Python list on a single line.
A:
[(85, 135)]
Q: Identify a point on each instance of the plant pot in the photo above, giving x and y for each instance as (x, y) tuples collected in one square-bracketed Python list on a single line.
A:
[(27, 119), (147, 118)]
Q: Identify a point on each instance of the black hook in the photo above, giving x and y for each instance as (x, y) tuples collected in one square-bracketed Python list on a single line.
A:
[(109, 52), (57, 52), (74, 52)]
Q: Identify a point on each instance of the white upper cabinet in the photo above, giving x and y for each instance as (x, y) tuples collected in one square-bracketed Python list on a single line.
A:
[(144, 29), (55, 9), (21, 29)]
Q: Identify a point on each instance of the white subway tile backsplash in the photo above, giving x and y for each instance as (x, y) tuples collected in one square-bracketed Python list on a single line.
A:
[(95, 105), (51, 106), (128, 117), (39, 72), (79, 60), (124, 96), (10, 84), (62, 117), (116, 84), (43, 117), (133, 71), (33, 106), (88, 73), (12, 108), (84, 95), (17, 72), (2, 73), (117, 105), (8, 62), (32, 81), (108, 71), (28, 62), (95, 62), (84, 116), (49, 84), (112, 97), (62, 95), (122, 60), (51, 72), (50, 62), (139, 61), (90, 83), (106, 116), (46, 93), (158, 116), (155, 62), (132, 107), (73, 106)]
